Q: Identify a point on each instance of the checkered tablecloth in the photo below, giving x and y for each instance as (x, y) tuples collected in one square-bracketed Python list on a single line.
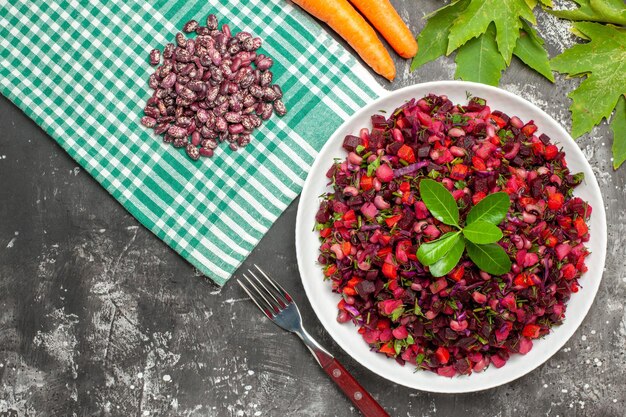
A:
[(79, 69)]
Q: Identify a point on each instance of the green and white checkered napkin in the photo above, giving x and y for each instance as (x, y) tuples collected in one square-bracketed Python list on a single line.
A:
[(80, 70)]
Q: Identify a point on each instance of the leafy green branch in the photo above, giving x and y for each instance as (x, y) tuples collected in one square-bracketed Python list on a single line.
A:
[(602, 60), (485, 35), (479, 236)]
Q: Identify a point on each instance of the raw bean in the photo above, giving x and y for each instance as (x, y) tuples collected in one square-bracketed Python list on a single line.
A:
[(165, 69), (209, 143), (211, 22), (241, 36), (186, 69), (166, 119), (151, 112), (177, 131), (232, 88), (206, 152), (266, 78), (167, 139), (226, 30), (207, 133), (182, 80), (202, 116), (202, 30), (256, 91), (183, 121), (191, 46), (233, 49), (193, 152), (211, 120), (161, 107), (220, 124), (155, 57), (280, 108), (247, 81), (168, 50), (186, 94), (243, 140), (220, 100), (191, 128), (256, 120), (248, 44), (181, 40), (248, 110), (256, 43), (233, 146), (265, 63), (180, 142), (269, 94), (190, 26), (148, 121), (169, 81), (235, 128), (217, 75), (153, 81), (182, 55), (267, 111), (248, 100), (161, 128), (246, 122), (235, 105), (196, 85), (278, 91), (232, 117)]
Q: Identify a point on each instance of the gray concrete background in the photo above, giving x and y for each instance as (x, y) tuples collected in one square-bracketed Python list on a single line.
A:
[(99, 317)]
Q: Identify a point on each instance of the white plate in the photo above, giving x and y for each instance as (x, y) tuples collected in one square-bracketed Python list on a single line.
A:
[(324, 302)]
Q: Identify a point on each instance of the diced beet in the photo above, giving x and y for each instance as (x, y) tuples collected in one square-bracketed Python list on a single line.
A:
[(351, 142)]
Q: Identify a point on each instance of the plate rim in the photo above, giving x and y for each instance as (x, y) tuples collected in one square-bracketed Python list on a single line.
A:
[(598, 211)]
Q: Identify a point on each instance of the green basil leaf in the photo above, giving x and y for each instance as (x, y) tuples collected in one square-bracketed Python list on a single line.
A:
[(490, 258), (439, 202), (431, 252), (482, 232), (491, 209), (448, 262)]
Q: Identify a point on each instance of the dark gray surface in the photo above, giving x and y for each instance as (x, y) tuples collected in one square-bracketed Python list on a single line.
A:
[(99, 317)]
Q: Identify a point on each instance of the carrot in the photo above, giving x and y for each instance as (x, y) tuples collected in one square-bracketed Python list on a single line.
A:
[(352, 27), (389, 23)]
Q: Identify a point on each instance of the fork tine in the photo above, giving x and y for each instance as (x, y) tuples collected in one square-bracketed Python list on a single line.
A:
[(265, 311), (276, 285), (260, 293), (278, 300)]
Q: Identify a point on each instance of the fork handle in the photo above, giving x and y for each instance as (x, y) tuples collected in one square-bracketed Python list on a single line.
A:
[(354, 391)]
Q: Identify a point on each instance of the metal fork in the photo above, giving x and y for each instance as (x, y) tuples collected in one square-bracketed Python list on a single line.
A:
[(278, 306)]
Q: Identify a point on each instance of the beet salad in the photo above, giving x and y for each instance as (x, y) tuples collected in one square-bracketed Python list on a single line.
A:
[(372, 223)]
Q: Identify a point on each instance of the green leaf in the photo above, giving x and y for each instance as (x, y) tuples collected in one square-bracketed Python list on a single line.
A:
[(371, 168), (505, 14), (491, 209), (618, 125), (395, 314), (448, 262), (482, 232), (603, 11), (603, 62), (439, 202), (479, 60), (490, 258), (529, 49), (431, 252), (433, 39)]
